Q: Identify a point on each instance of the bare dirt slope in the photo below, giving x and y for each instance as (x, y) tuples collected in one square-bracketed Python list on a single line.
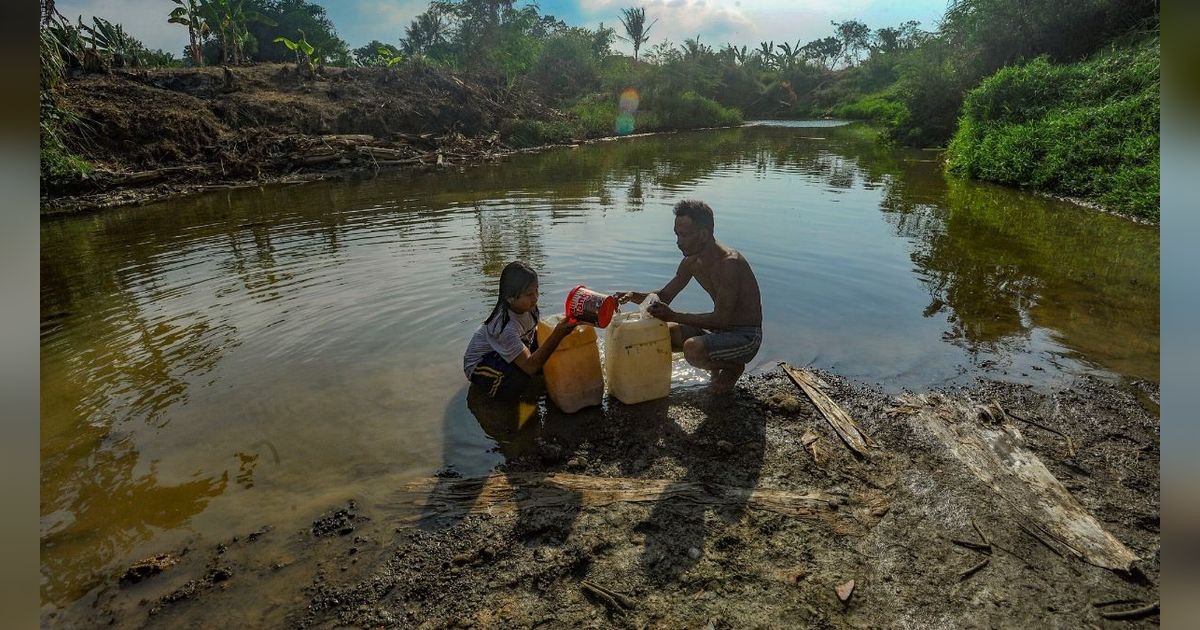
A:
[(157, 131), (690, 512)]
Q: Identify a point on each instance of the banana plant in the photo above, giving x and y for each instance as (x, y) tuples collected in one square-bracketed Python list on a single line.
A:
[(389, 57), (229, 20), (302, 46), (766, 53), (737, 55), (188, 14), (111, 42), (787, 55)]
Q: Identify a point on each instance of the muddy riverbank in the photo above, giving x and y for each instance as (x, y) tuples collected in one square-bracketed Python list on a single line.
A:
[(691, 512), (153, 133)]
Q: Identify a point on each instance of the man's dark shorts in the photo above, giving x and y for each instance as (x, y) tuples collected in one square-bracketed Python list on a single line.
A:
[(737, 344)]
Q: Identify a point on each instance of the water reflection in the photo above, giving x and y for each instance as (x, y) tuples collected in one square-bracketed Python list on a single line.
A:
[(329, 319), (109, 503)]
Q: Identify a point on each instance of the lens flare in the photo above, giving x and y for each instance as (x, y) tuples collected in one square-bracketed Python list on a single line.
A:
[(624, 124), (628, 103)]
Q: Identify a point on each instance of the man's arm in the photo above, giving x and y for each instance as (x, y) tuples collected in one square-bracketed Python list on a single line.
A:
[(683, 276), (724, 303)]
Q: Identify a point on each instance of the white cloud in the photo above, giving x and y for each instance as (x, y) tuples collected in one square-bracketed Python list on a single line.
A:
[(748, 22), (144, 19), (384, 20)]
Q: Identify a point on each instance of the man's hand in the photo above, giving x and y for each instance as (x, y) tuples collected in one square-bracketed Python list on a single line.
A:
[(631, 296), (661, 311)]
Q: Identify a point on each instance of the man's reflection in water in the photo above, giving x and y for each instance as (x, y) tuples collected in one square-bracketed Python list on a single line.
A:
[(545, 513)]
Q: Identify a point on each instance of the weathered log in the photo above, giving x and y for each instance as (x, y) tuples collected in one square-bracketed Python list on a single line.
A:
[(312, 160), (349, 138), (500, 494), (997, 455), (381, 151), (842, 423), (145, 177)]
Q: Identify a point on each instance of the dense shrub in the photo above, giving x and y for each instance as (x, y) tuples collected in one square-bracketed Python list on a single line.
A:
[(1088, 129), (692, 110)]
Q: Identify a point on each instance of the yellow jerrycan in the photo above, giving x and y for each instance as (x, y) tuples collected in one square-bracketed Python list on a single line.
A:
[(574, 378), (637, 357)]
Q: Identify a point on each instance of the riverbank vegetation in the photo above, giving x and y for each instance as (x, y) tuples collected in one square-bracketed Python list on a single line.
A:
[(922, 84)]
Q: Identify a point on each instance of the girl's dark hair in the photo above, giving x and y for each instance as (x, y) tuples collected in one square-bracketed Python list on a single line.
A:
[(516, 277)]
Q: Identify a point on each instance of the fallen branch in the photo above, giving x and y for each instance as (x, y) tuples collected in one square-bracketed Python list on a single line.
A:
[(1021, 417), (842, 423), (1040, 539), (969, 572), (1132, 613), (973, 546), (982, 536), (1114, 602), (612, 599)]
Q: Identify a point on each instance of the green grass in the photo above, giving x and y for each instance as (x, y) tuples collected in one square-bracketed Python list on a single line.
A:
[(1088, 130), (879, 108)]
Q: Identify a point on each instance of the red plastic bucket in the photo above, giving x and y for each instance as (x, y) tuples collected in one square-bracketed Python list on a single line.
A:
[(589, 307)]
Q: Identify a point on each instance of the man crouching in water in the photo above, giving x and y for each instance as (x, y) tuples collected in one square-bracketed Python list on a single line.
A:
[(726, 339)]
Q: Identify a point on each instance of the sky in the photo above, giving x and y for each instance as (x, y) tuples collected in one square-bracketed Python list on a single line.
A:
[(715, 22)]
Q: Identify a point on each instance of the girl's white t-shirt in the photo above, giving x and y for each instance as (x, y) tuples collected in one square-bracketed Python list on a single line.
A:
[(517, 334)]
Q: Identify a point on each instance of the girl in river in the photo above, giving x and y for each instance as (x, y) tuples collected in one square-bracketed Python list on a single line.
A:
[(504, 352)]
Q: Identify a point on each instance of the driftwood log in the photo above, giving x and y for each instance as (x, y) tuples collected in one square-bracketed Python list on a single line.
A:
[(995, 452), (500, 494), (842, 423)]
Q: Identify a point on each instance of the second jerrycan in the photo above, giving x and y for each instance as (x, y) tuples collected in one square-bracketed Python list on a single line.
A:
[(574, 379), (637, 357)]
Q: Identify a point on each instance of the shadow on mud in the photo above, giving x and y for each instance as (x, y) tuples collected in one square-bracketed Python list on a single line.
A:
[(537, 442)]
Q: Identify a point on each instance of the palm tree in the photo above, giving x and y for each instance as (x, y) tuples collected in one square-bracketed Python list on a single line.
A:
[(427, 31), (634, 21), (766, 54), (737, 55), (787, 55)]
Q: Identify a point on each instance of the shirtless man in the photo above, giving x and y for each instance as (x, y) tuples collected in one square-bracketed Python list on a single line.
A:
[(726, 339)]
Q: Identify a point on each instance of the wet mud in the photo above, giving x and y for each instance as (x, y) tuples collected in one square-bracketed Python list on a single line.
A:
[(736, 512)]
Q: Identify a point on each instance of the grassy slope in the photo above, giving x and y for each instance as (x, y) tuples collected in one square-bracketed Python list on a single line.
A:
[(1088, 129)]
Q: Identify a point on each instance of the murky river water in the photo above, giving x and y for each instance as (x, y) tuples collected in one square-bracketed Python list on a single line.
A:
[(250, 357)]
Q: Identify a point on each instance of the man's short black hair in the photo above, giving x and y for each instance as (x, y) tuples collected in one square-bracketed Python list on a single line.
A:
[(697, 211)]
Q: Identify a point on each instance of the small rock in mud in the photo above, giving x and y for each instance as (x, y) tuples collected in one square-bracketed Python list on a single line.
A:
[(693, 553), (340, 522), (147, 567), (253, 536), (219, 574), (786, 403), (448, 473), (844, 591)]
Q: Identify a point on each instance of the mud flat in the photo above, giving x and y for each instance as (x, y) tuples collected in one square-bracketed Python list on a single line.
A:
[(747, 511)]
